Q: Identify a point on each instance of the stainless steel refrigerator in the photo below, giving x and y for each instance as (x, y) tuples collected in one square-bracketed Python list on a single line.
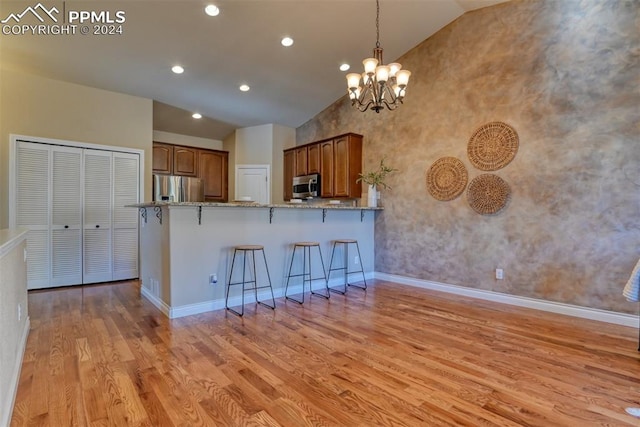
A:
[(172, 188)]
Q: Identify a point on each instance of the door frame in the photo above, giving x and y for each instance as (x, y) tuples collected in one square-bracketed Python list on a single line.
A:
[(266, 167)]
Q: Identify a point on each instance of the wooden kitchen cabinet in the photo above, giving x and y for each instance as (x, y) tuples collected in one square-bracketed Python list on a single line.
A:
[(288, 173), (185, 161), (313, 159), (213, 169), (326, 171), (347, 157), (301, 161), (162, 158), (212, 166), (338, 160)]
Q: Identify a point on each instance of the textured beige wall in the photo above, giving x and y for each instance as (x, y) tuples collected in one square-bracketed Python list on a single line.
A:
[(36, 106), (566, 75)]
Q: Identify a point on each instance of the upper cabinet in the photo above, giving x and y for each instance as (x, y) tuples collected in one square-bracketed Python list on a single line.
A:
[(288, 173), (213, 169), (162, 158), (212, 166), (185, 161), (347, 159), (313, 158), (326, 169), (301, 161), (338, 160)]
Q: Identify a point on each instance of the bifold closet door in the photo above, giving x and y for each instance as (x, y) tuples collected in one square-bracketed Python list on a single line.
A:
[(32, 188), (66, 216), (97, 250), (125, 220)]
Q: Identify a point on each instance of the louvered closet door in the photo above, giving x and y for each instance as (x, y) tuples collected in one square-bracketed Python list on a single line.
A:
[(97, 262), (32, 209), (66, 216), (125, 220)]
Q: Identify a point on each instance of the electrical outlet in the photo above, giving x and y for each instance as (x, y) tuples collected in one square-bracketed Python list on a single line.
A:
[(356, 260), (499, 274), (213, 279)]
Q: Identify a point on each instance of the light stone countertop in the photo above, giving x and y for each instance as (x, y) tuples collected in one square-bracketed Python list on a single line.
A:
[(303, 205)]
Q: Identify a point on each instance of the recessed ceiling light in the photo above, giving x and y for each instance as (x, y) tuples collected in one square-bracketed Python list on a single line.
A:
[(344, 67), (244, 88), (212, 10), (196, 115), (287, 41), (177, 69)]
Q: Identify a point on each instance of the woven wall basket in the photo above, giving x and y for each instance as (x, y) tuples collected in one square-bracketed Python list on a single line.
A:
[(446, 178), (488, 194), (492, 146)]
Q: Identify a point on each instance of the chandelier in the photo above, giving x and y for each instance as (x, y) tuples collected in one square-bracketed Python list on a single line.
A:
[(380, 85)]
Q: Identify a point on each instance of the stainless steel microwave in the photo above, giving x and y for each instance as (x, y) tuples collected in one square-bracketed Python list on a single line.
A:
[(306, 187)]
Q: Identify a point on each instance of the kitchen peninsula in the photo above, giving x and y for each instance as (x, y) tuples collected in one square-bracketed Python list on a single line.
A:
[(186, 248)]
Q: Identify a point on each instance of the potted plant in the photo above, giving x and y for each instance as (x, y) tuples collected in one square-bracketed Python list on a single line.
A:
[(375, 179)]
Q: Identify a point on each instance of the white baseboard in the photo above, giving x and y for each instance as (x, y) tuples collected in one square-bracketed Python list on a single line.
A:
[(7, 407), (219, 304), (538, 304), (160, 305)]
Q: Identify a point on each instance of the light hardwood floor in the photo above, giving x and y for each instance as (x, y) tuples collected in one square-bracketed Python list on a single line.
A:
[(395, 355)]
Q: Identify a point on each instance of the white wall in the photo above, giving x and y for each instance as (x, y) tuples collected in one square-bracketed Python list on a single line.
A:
[(35, 106), (189, 141), (260, 145), (13, 330)]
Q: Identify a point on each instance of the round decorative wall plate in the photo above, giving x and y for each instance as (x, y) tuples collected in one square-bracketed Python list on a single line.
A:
[(488, 194), (492, 146), (446, 178)]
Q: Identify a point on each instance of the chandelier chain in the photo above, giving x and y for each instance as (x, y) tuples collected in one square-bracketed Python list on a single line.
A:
[(377, 23)]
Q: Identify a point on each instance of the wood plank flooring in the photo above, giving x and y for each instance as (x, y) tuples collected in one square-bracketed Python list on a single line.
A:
[(393, 356)]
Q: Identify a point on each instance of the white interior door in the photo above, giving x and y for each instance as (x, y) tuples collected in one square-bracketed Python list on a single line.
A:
[(253, 181), (97, 250), (32, 209), (125, 220), (66, 216)]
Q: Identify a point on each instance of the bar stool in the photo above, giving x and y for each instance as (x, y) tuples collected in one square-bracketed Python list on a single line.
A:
[(245, 249), (306, 272), (345, 267)]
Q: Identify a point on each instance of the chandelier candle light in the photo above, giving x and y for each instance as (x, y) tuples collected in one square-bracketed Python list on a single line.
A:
[(382, 85)]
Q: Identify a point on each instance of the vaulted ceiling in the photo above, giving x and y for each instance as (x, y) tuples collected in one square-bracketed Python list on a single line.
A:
[(289, 85)]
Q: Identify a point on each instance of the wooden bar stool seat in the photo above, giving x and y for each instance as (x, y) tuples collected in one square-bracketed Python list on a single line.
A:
[(306, 271), (345, 265), (245, 250)]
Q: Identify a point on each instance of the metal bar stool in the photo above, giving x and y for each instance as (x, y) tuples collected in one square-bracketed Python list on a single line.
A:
[(245, 249), (345, 263), (306, 270)]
